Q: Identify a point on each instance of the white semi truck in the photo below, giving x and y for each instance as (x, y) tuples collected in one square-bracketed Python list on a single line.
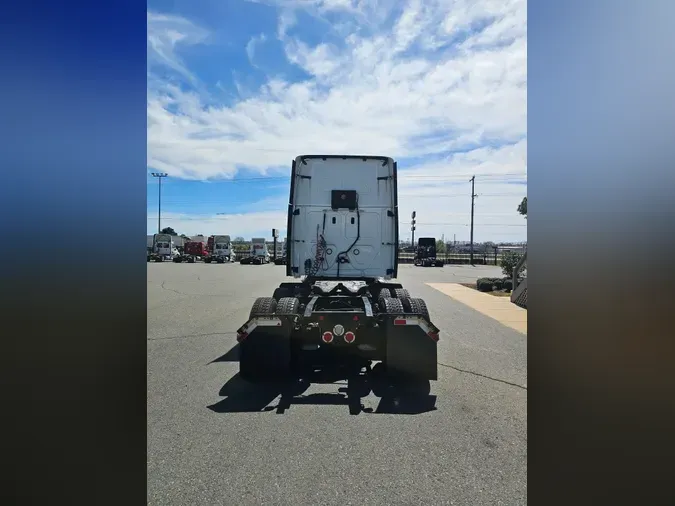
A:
[(163, 248), (282, 259), (221, 250), (345, 309)]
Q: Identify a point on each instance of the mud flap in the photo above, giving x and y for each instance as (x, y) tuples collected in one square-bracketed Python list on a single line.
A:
[(412, 347), (265, 348)]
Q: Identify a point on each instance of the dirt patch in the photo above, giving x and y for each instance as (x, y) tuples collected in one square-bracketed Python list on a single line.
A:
[(496, 293)]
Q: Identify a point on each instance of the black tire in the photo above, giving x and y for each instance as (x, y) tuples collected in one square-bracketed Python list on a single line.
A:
[(263, 306), (416, 306), (390, 305), (401, 293), (385, 293), (288, 305), (262, 363), (207, 260)]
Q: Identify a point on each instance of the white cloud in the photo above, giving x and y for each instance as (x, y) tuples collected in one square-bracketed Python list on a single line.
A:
[(251, 46), (442, 76), (165, 34)]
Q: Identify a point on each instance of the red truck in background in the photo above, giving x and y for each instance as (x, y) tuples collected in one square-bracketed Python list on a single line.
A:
[(192, 251)]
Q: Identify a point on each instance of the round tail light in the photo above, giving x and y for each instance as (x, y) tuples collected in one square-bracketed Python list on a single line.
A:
[(327, 337), (350, 337)]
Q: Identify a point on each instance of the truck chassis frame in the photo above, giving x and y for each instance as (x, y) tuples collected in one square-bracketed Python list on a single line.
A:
[(319, 324)]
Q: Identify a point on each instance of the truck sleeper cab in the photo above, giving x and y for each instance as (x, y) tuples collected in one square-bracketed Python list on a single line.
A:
[(192, 251), (163, 248), (342, 238), (258, 254), (221, 249), (282, 259)]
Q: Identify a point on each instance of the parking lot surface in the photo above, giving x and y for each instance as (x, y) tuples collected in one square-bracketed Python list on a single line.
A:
[(213, 439)]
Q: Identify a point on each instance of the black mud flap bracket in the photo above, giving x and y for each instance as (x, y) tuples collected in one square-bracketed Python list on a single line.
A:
[(264, 346), (412, 347)]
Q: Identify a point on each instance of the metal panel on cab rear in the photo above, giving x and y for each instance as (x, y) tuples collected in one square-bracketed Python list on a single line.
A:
[(410, 351), (342, 220)]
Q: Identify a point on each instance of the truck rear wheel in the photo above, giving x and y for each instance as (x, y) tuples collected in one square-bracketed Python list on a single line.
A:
[(401, 293), (263, 306), (384, 293), (416, 306), (391, 306), (288, 306), (264, 357)]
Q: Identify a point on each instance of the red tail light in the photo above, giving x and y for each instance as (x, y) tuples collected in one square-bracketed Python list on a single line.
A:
[(400, 321), (327, 337), (433, 335), (350, 337)]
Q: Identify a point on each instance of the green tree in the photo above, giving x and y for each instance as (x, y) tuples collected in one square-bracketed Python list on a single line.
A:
[(509, 262), (239, 239), (522, 207), (168, 230), (440, 246)]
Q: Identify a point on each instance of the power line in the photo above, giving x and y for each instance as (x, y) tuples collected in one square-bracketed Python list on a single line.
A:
[(233, 202), (401, 177)]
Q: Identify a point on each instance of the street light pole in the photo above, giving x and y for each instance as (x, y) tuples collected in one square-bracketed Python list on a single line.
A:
[(160, 176), (473, 196)]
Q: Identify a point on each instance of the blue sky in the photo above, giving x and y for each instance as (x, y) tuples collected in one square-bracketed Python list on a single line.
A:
[(237, 89)]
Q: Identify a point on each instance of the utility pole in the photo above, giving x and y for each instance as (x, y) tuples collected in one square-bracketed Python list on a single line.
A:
[(160, 176), (473, 195)]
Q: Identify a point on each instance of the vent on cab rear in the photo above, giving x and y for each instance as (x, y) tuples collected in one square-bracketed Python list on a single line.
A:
[(343, 199)]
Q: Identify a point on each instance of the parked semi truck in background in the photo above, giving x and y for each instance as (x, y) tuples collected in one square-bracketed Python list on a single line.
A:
[(282, 259), (163, 248), (192, 251), (220, 249), (425, 255), (258, 254), (345, 310)]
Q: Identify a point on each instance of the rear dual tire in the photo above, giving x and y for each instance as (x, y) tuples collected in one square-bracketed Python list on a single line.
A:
[(269, 358)]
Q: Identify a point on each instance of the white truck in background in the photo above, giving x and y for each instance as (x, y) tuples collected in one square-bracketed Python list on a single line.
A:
[(259, 254), (220, 250), (163, 248), (282, 259)]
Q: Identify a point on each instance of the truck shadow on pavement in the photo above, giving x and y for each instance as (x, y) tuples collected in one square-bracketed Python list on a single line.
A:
[(395, 398)]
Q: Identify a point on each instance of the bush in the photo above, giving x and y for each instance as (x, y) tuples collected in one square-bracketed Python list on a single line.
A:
[(507, 285), (497, 283), (484, 285), (509, 262)]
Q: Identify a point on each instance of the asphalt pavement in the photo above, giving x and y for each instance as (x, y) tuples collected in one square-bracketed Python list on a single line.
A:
[(213, 439)]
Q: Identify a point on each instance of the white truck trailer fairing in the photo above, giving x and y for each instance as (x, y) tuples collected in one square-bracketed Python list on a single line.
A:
[(342, 218)]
